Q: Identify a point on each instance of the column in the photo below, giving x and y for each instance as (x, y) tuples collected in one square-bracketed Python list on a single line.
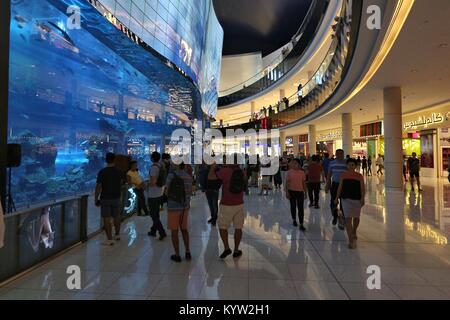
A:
[(296, 141), (393, 150), (347, 135), (282, 94), (282, 141), (252, 108), (312, 139), (5, 18)]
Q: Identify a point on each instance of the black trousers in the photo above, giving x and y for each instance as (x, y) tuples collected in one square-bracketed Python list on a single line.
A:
[(297, 200), (213, 202), (153, 204), (141, 205), (333, 191), (313, 191)]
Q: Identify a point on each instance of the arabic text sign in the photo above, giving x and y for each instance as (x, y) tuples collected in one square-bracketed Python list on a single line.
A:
[(424, 121)]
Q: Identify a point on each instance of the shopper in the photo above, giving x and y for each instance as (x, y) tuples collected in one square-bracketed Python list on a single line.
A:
[(314, 176), (212, 193), (107, 197), (166, 164), (351, 191), (178, 189), (334, 177), (295, 192), (358, 164), (369, 165), (231, 209), (414, 171), (364, 166), (157, 182), (405, 168), (284, 169), (277, 179), (265, 182), (134, 179), (380, 164), (325, 165)]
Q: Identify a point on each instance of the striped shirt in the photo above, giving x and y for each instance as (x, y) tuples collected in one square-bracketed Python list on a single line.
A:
[(336, 168)]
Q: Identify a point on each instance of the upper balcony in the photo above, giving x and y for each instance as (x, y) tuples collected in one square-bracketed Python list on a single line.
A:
[(279, 68), (324, 81)]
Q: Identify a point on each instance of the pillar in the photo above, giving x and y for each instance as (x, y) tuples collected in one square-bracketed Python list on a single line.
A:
[(5, 18), (393, 149), (347, 135), (312, 139), (296, 141), (282, 94), (282, 141)]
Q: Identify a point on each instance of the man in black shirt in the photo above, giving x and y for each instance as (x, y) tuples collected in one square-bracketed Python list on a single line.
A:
[(414, 170), (107, 197)]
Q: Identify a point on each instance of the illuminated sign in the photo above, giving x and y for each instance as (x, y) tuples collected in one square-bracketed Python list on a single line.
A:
[(336, 135), (424, 121)]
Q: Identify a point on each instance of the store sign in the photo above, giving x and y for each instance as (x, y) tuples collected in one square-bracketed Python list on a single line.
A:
[(370, 130), (426, 121), (335, 135)]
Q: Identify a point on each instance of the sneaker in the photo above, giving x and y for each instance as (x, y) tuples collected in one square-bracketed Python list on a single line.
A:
[(334, 221), (117, 238), (175, 258), (302, 228), (161, 238), (316, 206), (311, 205), (108, 243), (237, 253), (152, 234), (188, 256), (225, 254), (295, 224), (213, 223)]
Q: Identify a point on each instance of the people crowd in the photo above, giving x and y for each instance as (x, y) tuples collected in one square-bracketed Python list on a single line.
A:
[(224, 186)]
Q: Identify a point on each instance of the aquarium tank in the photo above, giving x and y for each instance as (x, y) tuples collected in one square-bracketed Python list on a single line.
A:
[(76, 94)]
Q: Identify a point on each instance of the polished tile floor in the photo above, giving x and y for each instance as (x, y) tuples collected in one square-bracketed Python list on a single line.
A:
[(405, 234)]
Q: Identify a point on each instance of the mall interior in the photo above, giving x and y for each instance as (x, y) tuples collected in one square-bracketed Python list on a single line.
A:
[(84, 78)]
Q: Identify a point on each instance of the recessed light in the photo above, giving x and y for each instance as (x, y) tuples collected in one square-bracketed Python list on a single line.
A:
[(443, 45), (414, 71)]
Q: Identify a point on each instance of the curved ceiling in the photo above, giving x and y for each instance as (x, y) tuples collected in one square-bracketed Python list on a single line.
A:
[(259, 25)]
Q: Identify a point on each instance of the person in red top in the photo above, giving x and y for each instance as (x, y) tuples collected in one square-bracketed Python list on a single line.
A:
[(231, 210), (352, 192), (314, 176), (295, 191)]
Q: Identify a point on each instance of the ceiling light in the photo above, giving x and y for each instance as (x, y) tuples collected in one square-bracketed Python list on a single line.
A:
[(443, 45), (414, 70)]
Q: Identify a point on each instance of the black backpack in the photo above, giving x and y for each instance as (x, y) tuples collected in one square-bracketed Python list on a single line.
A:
[(237, 183), (176, 191), (162, 175)]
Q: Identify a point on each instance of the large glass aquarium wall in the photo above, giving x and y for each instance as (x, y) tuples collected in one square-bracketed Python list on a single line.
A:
[(76, 94)]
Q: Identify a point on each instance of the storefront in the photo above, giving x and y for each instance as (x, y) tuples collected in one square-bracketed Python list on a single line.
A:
[(329, 141), (370, 141), (427, 134), (303, 145), (289, 146)]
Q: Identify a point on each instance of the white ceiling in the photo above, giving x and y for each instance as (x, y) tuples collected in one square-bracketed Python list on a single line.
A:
[(419, 62)]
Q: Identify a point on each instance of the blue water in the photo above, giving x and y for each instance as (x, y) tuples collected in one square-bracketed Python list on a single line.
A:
[(76, 95)]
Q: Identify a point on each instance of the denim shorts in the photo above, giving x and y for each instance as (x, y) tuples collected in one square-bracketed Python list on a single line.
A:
[(110, 208)]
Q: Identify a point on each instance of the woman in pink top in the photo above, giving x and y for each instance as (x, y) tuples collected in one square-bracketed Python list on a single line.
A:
[(295, 191)]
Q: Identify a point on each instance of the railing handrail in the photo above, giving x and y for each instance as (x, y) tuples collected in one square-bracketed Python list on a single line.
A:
[(277, 58), (42, 205)]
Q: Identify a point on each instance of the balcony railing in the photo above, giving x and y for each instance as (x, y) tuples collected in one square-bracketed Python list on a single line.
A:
[(283, 63), (324, 82)]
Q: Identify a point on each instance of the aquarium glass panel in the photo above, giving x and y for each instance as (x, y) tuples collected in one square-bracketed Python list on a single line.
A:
[(76, 94)]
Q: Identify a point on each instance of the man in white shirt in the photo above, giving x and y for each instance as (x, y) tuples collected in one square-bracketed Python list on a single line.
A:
[(134, 179)]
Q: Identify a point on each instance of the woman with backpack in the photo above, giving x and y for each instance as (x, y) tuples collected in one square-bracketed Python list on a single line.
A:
[(179, 191)]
